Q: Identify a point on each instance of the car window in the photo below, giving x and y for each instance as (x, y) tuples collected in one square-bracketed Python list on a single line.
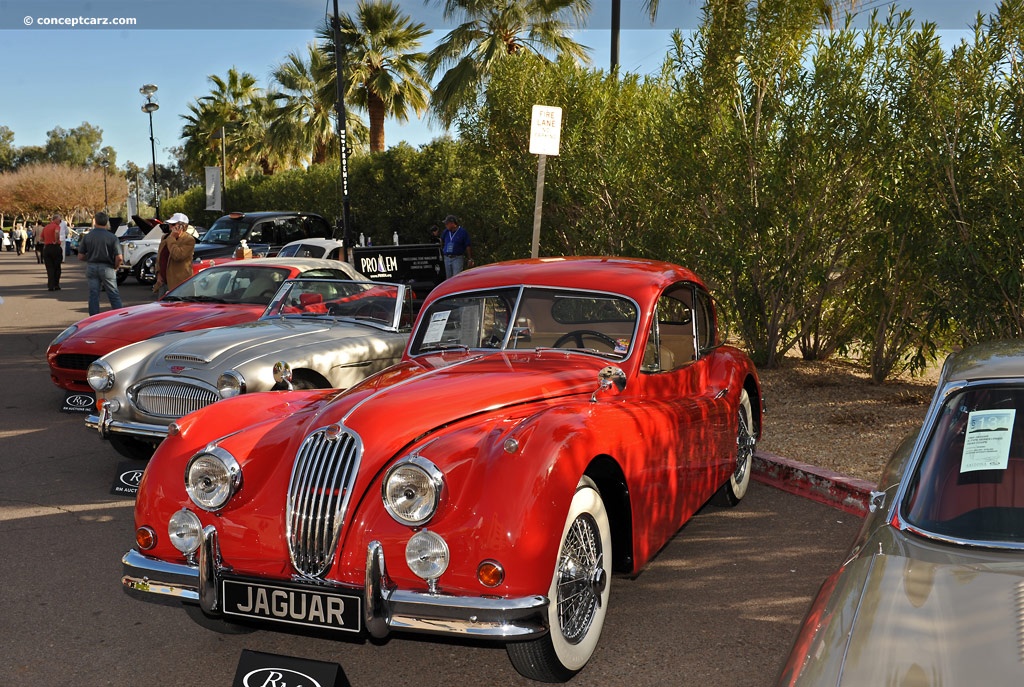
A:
[(231, 284), (227, 230), (969, 483), (301, 250), (530, 317), (316, 227), (704, 321), (289, 229), (671, 341)]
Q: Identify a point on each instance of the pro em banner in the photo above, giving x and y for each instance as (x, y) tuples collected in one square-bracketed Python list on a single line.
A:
[(417, 264)]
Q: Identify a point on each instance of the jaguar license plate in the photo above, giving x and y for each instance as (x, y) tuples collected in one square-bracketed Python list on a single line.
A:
[(327, 609)]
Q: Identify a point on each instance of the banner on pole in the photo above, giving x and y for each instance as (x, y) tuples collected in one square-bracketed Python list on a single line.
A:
[(213, 199)]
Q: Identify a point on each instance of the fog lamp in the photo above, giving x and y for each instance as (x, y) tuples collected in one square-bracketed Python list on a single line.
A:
[(185, 531), (427, 555)]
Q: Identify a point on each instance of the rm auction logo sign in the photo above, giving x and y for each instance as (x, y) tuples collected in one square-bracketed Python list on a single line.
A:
[(259, 669), (78, 403)]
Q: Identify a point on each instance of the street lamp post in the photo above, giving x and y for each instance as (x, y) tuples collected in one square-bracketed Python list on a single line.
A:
[(149, 108), (105, 164), (222, 135)]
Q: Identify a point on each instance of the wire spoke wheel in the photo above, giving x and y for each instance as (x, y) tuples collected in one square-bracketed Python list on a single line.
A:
[(578, 595)]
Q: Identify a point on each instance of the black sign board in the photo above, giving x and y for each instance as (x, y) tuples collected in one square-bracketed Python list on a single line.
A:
[(416, 264), (259, 669), (78, 402), (129, 474)]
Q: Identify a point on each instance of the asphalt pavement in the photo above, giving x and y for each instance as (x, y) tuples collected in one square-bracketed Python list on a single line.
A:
[(718, 606)]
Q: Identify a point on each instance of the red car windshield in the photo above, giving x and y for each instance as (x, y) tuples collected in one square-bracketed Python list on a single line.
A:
[(236, 282), (969, 484), (520, 318)]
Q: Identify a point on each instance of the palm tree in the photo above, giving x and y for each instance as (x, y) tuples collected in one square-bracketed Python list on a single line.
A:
[(303, 124), (492, 31), (382, 64)]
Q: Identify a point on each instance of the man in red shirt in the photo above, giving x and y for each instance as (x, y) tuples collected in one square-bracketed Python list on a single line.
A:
[(53, 252)]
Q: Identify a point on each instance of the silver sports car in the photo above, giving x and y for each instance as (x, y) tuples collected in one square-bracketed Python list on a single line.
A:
[(316, 333), (932, 592)]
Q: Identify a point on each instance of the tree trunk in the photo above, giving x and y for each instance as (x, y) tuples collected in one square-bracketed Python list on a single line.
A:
[(377, 113)]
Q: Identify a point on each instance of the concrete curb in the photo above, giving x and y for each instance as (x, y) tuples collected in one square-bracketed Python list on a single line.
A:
[(824, 486)]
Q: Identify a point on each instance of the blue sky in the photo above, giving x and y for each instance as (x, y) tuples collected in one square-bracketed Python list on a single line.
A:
[(63, 75)]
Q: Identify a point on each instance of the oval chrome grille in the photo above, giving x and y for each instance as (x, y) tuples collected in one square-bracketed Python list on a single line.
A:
[(171, 399), (325, 469)]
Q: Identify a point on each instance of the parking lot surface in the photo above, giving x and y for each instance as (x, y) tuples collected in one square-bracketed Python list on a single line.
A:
[(718, 606)]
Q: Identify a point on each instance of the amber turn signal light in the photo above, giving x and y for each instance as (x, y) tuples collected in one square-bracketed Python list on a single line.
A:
[(490, 573), (145, 537)]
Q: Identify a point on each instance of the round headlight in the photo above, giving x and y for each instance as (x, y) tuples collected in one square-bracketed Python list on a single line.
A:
[(64, 334), (185, 531), (212, 477), (231, 384), (100, 376), (427, 555), (412, 490)]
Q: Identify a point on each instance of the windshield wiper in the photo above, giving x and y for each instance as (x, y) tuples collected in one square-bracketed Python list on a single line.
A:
[(201, 299), (444, 347)]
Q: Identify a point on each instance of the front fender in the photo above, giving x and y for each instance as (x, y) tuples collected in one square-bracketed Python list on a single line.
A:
[(508, 485)]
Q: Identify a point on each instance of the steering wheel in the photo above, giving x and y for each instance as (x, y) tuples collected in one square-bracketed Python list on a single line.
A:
[(373, 311), (577, 335)]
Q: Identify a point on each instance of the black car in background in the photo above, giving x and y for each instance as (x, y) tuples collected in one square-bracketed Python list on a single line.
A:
[(265, 233)]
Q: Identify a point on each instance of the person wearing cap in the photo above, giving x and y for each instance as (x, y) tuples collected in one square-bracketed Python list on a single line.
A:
[(174, 257), (53, 251), (455, 247), (101, 252)]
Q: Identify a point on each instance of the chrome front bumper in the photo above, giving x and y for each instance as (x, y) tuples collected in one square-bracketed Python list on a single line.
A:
[(385, 608), (106, 425)]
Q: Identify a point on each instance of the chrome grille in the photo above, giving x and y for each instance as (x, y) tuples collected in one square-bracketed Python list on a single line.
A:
[(321, 484), (171, 398)]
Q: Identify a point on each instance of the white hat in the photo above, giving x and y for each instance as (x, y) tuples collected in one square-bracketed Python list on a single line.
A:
[(176, 218)]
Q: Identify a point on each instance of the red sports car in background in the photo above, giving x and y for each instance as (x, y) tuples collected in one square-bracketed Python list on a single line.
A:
[(551, 422), (228, 294)]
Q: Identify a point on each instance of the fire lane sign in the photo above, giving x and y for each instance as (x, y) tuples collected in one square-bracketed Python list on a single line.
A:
[(545, 130)]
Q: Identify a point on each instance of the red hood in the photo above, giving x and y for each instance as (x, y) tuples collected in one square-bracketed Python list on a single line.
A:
[(139, 322), (413, 398)]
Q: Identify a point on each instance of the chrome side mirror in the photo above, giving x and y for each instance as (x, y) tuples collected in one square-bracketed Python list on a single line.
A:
[(606, 378), (282, 377)]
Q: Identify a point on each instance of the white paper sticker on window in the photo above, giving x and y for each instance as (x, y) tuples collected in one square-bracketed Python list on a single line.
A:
[(987, 444), (435, 330)]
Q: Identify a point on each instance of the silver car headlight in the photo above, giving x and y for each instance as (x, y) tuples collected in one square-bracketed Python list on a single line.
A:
[(231, 384), (64, 334), (100, 376), (427, 555), (185, 531), (212, 477), (412, 490)]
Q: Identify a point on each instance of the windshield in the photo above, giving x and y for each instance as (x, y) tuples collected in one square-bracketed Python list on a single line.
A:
[(518, 318), (366, 302), (227, 231), (236, 282), (970, 482)]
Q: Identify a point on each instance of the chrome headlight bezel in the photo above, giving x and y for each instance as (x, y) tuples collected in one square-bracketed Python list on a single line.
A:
[(212, 477), (100, 375), (231, 384), (412, 489)]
